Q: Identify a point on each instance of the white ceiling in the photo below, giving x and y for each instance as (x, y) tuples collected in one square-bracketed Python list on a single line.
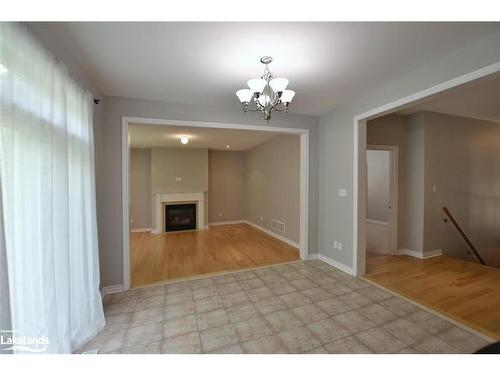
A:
[(205, 63), (145, 136), (479, 99)]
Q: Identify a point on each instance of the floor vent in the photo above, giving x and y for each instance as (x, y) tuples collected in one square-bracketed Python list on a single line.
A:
[(278, 226)]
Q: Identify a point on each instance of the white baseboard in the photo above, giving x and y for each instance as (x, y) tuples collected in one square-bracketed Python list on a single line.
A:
[(275, 235), (137, 230), (313, 256), (418, 254), (112, 289), (377, 222), (336, 264), (227, 222)]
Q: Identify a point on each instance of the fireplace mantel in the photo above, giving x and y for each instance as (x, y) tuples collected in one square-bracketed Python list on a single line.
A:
[(160, 199)]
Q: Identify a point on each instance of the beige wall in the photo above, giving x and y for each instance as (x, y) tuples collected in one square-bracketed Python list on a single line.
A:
[(272, 176), (168, 163), (226, 171), (140, 188)]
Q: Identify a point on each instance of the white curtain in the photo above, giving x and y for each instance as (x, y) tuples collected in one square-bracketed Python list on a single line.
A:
[(48, 188)]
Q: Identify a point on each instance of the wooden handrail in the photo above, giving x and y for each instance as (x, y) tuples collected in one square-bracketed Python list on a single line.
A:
[(462, 233)]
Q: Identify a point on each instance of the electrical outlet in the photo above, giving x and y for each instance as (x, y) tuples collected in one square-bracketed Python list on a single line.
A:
[(335, 244), (220, 214), (340, 246), (178, 179), (262, 218), (342, 192)]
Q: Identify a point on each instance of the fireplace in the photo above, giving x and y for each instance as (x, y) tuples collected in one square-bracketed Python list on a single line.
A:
[(180, 217)]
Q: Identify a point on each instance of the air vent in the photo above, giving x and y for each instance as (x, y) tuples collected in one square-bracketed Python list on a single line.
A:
[(278, 226)]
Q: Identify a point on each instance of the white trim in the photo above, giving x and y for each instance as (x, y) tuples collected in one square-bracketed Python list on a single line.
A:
[(226, 222), (273, 234), (304, 176), (419, 254), (359, 173), (377, 222), (112, 289), (138, 230), (334, 263), (313, 256)]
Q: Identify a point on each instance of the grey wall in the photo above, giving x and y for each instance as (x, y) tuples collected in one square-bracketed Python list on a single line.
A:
[(273, 184), (406, 132), (378, 185), (188, 164), (109, 176), (140, 188), (336, 138), (226, 192), (462, 159)]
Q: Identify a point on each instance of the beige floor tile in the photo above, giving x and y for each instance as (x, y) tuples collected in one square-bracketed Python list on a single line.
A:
[(298, 340), (179, 297), (200, 283), (338, 289), (207, 304), (354, 321), (224, 279), (144, 334), (399, 307), (270, 305), (152, 291), (212, 319), (303, 283), (282, 320), (180, 326), (186, 344), (241, 312), (205, 292), (264, 345), (151, 348), (406, 331), (309, 313), (464, 341), (252, 284), (252, 329), (218, 338), (333, 306), (179, 310), (177, 287), (229, 288), (347, 345), (355, 300), (316, 294), (295, 299), (143, 317), (328, 330), (380, 341), (430, 323), (378, 313), (239, 298), (375, 294), (259, 293), (233, 349), (318, 350), (433, 345)]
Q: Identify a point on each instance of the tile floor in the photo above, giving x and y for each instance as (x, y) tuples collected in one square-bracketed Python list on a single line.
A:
[(301, 307)]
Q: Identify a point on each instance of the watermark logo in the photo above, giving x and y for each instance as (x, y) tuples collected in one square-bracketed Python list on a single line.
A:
[(11, 342)]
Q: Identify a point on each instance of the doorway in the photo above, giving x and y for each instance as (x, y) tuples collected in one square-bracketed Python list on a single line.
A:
[(381, 201)]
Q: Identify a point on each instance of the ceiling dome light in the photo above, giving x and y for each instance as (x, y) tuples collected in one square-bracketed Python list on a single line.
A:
[(184, 139), (266, 94)]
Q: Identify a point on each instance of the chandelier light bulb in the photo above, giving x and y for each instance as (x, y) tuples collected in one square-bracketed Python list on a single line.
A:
[(266, 94), (184, 139)]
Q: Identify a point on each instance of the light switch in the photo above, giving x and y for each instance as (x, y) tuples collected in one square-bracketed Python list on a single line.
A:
[(178, 179), (434, 188), (342, 192)]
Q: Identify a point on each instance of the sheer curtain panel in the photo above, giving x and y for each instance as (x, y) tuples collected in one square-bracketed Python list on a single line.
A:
[(49, 205)]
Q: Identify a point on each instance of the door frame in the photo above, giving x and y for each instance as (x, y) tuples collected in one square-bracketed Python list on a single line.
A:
[(304, 176), (393, 193), (359, 156)]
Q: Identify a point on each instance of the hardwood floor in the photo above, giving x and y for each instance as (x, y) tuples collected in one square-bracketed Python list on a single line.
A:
[(160, 257), (464, 291)]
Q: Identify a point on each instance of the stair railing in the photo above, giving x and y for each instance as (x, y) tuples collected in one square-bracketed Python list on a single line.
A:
[(462, 233)]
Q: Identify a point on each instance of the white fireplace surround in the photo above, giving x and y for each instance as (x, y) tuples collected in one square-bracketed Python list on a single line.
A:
[(161, 199)]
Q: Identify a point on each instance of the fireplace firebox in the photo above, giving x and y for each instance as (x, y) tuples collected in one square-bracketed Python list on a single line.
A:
[(180, 217)]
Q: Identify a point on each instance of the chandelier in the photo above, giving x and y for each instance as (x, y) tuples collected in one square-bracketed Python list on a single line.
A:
[(266, 94)]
